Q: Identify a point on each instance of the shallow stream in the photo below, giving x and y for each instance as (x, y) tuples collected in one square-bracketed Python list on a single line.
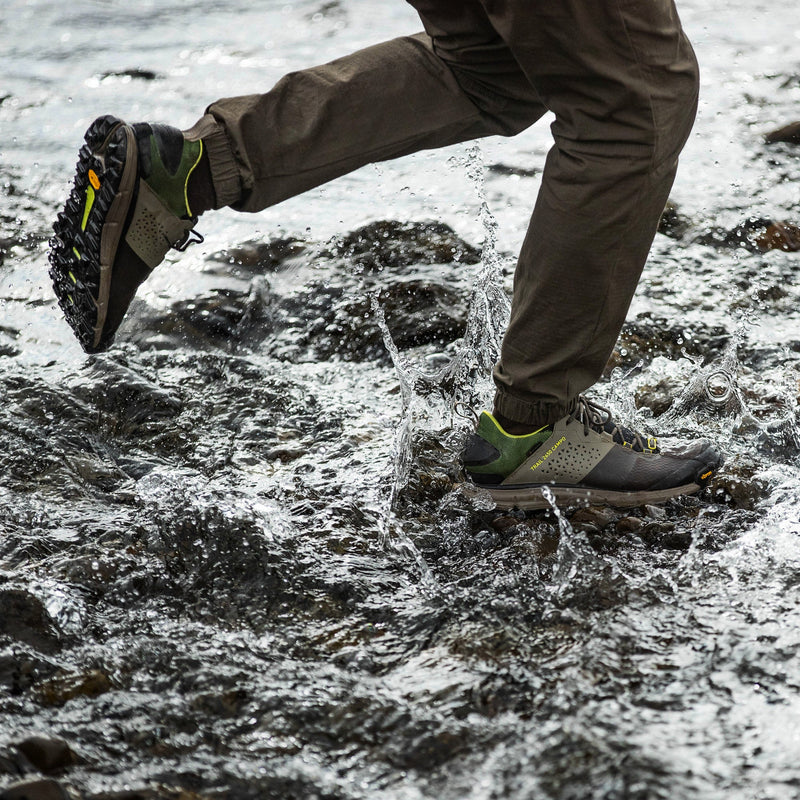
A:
[(235, 558)]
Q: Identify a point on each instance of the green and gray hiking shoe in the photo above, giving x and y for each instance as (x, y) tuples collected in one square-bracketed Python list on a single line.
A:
[(127, 208), (583, 458)]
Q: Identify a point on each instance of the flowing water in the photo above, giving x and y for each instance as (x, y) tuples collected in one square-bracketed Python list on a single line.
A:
[(235, 558)]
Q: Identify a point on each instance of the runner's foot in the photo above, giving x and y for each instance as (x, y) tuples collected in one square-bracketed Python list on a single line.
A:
[(583, 458), (128, 206)]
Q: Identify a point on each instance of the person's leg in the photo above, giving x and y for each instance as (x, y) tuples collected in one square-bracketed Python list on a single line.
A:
[(622, 80), (456, 82), (139, 189)]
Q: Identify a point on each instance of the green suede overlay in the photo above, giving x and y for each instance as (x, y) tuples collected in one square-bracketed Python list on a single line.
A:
[(513, 449), (171, 188)]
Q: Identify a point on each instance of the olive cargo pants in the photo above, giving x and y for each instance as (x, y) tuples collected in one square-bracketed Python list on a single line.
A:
[(620, 77)]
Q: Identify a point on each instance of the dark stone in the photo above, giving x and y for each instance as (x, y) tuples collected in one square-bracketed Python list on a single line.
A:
[(135, 74), (393, 244), (780, 236), (260, 257), (24, 618), (628, 525), (507, 169), (596, 516), (36, 790), (47, 754), (329, 322), (672, 223), (60, 689), (116, 388), (648, 336), (756, 234), (788, 133)]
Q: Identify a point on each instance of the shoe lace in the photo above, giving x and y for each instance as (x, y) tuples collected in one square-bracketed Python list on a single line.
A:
[(598, 418), (190, 237)]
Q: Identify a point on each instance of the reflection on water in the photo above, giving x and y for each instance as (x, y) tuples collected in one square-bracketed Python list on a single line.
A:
[(236, 558)]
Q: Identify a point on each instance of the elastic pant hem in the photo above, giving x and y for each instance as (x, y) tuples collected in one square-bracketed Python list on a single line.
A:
[(224, 169), (536, 413)]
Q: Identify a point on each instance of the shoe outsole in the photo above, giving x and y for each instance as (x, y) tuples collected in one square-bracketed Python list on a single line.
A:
[(83, 248), (533, 499)]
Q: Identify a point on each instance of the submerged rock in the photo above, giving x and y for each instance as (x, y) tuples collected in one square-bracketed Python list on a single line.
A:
[(393, 244), (648, 336), (756, 234), (673, 223), (37, 790), (258, 257), (48, 754), (327, 322), (60, 689), (24, 618), (780, 236), (788, 133)]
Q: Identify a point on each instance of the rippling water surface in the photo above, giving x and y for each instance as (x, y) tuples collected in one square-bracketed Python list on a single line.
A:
[(235, 559)]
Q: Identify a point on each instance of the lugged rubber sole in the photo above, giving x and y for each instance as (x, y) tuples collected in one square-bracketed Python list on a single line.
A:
[(89, 229), (530, 498)]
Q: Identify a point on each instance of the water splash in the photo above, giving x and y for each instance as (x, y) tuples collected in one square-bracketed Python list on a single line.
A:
[(581, 578), (489, 305), (714, 389)]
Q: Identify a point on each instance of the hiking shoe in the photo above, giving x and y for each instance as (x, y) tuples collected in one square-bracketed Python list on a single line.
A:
[(583, 458), (127, 208)]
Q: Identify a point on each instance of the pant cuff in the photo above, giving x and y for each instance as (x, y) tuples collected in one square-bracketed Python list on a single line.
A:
[(224, 169), (536, 413)]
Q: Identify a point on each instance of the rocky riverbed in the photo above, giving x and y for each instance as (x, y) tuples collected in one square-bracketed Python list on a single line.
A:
[(236, 558)]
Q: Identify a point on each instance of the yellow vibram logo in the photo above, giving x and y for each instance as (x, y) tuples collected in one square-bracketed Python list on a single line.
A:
[(705, 475), (549, 453)]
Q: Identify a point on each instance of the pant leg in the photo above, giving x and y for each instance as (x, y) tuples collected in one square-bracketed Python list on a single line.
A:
[(622, 80), (379, 103)]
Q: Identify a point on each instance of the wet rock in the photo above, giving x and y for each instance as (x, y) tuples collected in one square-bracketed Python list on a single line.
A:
[(516, 171), (60, 689), (628, 525), (673, 223), (116, 388), (664, 535), (224, 704), (20, 670), (738, 486), (47, 754), (131, 74), (503, 523), (594, 516), (756, 234), (24, 618), (226, 317), (148, 793), (648, 336), (655, 512), (259, 257), (787, 133), (658, 397), (327, 321), (393, 244), (97, 472), (780, 236), (37, 790)]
